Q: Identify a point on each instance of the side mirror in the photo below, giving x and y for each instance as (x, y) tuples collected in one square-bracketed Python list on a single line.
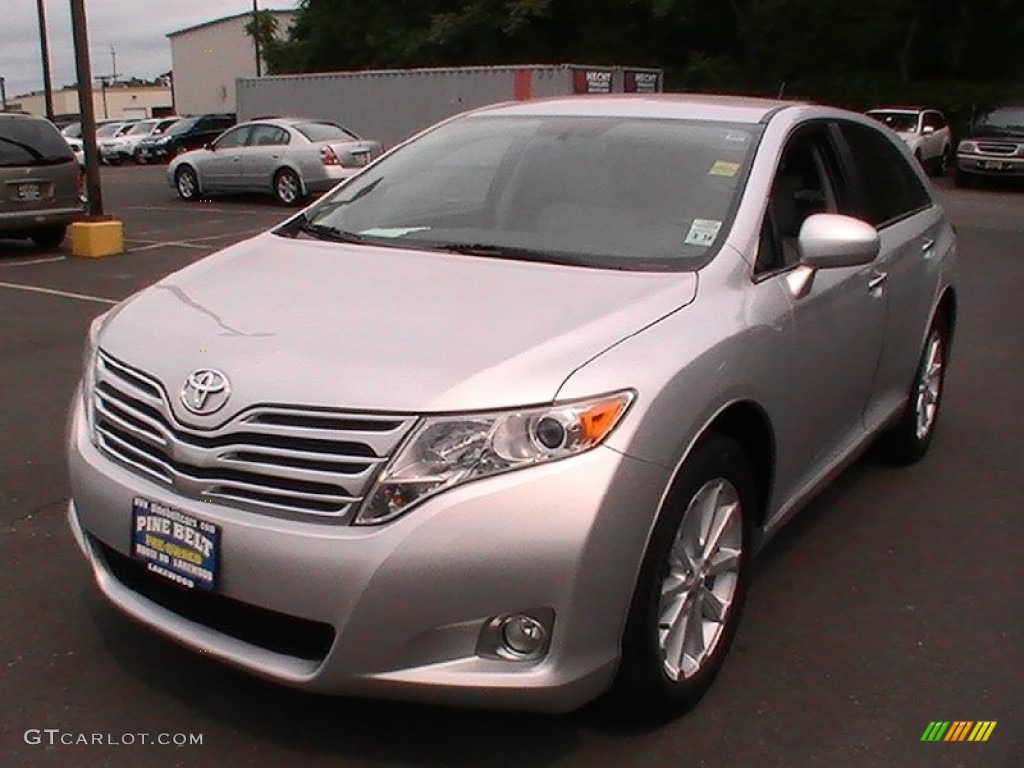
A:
[(830, 240), (210, 146)]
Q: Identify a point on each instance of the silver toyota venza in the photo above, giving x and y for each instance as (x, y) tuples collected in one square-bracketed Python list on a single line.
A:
[(502, 419)]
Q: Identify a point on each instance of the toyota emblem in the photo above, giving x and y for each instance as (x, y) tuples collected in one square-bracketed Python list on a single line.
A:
[(205, 391)]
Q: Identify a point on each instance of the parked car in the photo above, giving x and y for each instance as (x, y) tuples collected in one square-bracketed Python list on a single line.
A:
[(39, 181), (994, 146), (925, 131), (118, 149), (188, 133), (503, 418), (288, 158)]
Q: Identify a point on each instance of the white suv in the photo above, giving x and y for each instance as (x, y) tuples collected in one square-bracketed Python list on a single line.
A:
[(925, 131)]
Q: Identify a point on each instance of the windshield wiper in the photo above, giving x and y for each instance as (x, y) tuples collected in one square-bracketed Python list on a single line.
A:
[(493, 251), (321, 232)]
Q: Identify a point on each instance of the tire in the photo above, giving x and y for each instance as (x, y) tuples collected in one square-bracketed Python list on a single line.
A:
[(187, 184), (139, 159), (50, 237), (909, 439), (944, 161), (287, 188), (656, 677)]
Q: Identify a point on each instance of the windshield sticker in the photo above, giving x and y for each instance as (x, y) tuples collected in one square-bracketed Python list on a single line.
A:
[(723, 168), (737, 138), (391, 231), (703, 232)]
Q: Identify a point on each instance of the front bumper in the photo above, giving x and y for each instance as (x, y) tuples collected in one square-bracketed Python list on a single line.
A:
[(990, 165), (408, 600)]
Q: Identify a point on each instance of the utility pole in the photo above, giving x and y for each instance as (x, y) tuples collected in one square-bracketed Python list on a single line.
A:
[(44, 47), (256, 37), (3, 95), (80, 35), (113, 64)]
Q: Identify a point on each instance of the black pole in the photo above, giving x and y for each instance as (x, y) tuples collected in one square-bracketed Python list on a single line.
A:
[(80, 34), (44, 47), (256, 37), (3, 94)]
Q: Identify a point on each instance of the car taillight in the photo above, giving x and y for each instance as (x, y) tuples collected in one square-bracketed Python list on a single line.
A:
[(328, 156)]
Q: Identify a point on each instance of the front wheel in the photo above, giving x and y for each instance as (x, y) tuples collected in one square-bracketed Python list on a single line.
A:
[(186, 183), (287, 187), (909, 439), (689, 595), (943, 162)]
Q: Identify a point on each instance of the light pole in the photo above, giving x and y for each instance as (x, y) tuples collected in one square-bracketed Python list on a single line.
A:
[(44, 48), (80, 35), (3, 95), (256, 37)]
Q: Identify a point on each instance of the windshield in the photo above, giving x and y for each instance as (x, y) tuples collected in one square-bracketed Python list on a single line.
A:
[(622, 193), (31, 142), (901, 122), (73, 131), (324, 132), (182, 126), (1000, 120), (143, 128)]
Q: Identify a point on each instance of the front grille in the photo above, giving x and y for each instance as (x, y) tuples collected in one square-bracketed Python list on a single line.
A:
[(987, 148), (278, 632), (293, 461)]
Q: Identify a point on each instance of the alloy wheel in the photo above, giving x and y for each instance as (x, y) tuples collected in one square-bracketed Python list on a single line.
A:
[(929, 386), (700, 588), (287, 188)]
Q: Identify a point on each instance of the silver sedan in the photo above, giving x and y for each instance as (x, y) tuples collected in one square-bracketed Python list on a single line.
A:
[(503, 419), (289, 158)]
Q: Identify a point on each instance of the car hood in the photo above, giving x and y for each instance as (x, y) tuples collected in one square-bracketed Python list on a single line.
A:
[(297, 322)]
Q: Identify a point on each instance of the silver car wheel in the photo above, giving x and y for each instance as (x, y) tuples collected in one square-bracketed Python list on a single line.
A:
[(929, 386), (287, 188), (699, 590), (186, 184)]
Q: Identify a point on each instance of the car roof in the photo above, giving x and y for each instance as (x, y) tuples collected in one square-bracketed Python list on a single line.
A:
[(737, 109), (904, 109)]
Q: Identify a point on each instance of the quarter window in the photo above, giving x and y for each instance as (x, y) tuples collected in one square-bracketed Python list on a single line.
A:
[(891, 190)]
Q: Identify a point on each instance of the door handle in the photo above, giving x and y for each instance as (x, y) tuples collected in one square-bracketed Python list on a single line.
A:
[(877, 280), (927, 244)]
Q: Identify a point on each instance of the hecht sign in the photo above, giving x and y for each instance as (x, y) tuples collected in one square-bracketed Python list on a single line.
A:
[(592, 81)]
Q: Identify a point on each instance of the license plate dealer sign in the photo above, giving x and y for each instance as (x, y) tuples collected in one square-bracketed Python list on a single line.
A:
[(175, 545)]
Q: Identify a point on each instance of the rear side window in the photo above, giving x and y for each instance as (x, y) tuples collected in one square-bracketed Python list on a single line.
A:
[(325, 132), (31, 142), (890, 188)]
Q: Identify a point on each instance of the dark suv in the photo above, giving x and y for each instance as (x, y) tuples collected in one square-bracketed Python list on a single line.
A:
[(39, 181), (188, 133), (994, 146)]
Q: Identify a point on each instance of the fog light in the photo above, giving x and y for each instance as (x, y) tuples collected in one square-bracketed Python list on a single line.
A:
[(523, 635)]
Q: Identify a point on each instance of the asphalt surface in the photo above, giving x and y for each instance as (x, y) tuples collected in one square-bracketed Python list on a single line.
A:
[(895, 599)]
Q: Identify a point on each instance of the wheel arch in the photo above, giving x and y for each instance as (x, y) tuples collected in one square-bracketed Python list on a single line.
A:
[(946, 313)]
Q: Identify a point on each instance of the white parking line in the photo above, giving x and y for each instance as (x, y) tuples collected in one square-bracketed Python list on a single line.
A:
[(32, 261), (173, 244), (199, 208), (54, 292)]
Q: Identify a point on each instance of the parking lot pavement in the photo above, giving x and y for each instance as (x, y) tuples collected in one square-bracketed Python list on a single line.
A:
[(894, 600)]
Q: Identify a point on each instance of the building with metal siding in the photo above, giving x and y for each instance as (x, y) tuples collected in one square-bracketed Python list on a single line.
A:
[(209, 57), (392, 105)]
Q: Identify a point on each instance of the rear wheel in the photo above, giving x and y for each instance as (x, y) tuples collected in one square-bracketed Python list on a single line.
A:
[(50, 237), (691, 586), (287, 187), (186, 183)]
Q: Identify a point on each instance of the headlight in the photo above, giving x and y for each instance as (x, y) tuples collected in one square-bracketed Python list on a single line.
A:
[(89, 355), (968, 147), (446, 451)]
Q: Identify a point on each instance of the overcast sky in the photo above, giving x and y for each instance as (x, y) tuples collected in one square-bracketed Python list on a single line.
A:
[(136, 28)]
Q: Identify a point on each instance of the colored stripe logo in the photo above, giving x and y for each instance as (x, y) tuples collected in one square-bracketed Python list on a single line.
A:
[(958, 730)]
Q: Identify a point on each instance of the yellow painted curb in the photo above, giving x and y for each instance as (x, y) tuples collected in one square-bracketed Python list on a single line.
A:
[(96, 239)]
